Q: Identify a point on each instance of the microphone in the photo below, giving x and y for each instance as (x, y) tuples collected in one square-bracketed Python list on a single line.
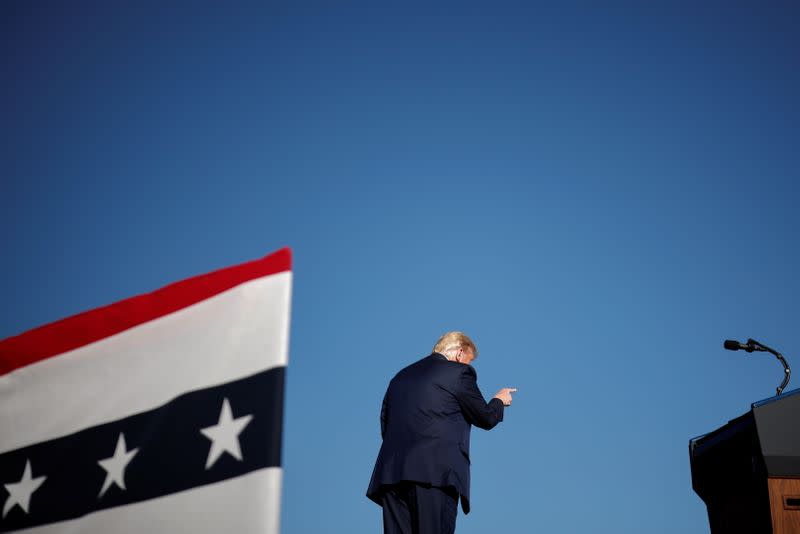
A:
[(750, 346), (753, 345)]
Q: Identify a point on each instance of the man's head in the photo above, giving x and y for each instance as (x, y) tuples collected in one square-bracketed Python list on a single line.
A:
[(456, 347)]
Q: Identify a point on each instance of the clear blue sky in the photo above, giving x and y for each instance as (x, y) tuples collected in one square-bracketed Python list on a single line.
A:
[(597, 195)]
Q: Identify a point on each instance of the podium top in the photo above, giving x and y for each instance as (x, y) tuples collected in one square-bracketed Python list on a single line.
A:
[(778, 424), (775, 398), (769, 432)]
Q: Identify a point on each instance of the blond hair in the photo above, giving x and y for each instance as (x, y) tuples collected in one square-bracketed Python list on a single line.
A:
[(451, 342)]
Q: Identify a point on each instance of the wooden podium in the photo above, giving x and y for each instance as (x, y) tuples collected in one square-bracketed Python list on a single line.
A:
[(748, 471)]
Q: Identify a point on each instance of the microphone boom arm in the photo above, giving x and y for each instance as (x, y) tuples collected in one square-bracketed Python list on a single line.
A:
[(787, 372)]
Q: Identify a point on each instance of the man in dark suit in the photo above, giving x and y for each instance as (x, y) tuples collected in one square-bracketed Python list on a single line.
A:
[(426, 417)]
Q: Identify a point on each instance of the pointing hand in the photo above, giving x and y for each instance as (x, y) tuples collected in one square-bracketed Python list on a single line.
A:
[(505, 395)]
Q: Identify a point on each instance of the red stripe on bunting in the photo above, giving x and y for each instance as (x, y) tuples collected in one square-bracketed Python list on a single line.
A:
[(90, 326)]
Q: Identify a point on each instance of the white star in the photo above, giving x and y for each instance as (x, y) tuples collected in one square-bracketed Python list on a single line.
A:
[(115, 466), (20, 492), (224, 435)]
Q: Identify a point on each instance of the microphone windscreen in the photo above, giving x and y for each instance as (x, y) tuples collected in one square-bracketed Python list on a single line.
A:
[(732, 345)]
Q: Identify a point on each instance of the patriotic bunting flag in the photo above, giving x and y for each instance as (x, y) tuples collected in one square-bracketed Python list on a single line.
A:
[(158, 413)]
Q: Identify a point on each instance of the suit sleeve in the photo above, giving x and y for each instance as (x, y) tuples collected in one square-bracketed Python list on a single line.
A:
[(383, 416), (475, 408)]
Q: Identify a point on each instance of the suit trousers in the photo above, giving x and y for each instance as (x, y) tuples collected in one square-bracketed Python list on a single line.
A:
[(410, 508)]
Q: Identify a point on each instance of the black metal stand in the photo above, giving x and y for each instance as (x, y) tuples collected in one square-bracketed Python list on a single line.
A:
[(787, 372)]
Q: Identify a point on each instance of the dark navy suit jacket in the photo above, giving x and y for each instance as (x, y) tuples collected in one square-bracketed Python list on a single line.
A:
[(426, 417)]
